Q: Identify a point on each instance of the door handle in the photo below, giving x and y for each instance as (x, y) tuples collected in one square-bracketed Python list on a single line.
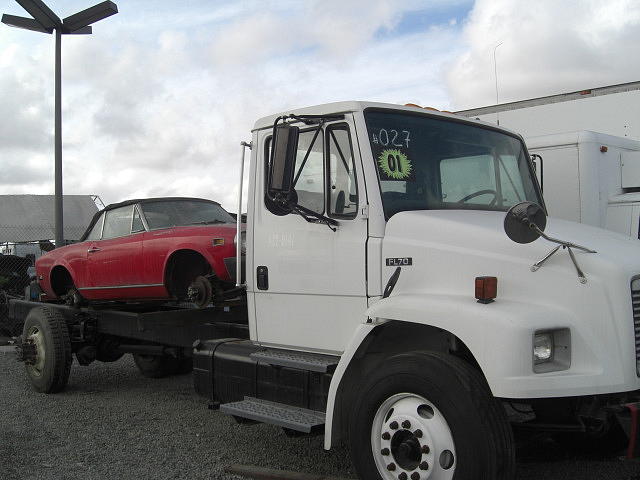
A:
[(93, 250)]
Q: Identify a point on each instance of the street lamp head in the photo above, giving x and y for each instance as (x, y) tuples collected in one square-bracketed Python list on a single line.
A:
[(89, 16), (26, 23), (41, 13)]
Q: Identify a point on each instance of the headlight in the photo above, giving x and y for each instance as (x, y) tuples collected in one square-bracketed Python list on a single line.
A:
[(542, 348), (635, 285), (551, 350)]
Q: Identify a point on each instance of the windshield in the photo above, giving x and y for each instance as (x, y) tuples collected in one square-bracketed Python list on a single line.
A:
[(427, 163), (173, 213)]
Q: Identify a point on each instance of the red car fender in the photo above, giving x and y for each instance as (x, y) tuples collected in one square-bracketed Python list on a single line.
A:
[(48, 287), (216, 262)]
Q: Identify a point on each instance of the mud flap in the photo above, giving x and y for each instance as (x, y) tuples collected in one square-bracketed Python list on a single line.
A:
[(629, 417)]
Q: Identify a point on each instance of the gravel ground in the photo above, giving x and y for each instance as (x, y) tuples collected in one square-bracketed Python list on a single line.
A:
[(112, 423)]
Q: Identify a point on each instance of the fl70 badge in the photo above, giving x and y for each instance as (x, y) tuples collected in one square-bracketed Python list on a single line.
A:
[(399, 262)]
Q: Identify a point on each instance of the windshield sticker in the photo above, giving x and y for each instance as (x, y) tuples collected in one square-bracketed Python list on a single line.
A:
[(394, 164)]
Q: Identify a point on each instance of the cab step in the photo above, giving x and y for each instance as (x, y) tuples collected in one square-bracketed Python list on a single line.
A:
[(313, 362), (286, 416)]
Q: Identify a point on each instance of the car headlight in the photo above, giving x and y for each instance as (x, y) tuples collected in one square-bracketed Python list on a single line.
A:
[(635, 285), (243, 242), (551, 350)]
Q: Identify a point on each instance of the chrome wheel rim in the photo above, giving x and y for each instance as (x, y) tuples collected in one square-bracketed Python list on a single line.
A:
[(411, 440), (36, 336)]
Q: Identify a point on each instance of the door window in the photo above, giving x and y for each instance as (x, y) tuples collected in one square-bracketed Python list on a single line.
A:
[(343, 191), (118, 222), (96, 231), (136, 225), (308, 180)]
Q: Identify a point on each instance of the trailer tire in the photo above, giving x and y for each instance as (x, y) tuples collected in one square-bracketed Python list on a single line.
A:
[(427, 414), (50, 370), (155, 366)]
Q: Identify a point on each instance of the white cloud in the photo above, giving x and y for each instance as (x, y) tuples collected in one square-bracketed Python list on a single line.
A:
[(548, 47), (164, 113)]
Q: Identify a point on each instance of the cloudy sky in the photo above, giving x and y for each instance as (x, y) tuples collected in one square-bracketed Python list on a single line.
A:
[(157, 100)]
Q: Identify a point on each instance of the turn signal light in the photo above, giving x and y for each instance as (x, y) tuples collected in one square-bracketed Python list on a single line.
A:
[(486, 289)]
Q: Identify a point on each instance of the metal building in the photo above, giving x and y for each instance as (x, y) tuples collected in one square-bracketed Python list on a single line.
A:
[(613, 110)]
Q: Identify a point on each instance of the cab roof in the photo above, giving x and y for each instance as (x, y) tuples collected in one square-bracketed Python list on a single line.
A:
[(359, 106)]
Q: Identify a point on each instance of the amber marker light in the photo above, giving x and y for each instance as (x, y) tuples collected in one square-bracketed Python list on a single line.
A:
[(486, 289)]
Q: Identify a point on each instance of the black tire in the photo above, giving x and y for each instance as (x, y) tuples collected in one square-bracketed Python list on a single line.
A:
[(609, 440), (155, 366), (481, 435), (50, 373)]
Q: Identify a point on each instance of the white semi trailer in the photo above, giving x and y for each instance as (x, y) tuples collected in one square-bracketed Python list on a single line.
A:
[(402, 290), (591, 178)]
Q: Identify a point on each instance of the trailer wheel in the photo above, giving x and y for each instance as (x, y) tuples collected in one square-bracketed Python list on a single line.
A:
[(155, 366), (426, 415), (45, 333)]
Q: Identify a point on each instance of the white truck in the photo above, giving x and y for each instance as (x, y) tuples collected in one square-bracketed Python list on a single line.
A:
[(591, 178), (398, 298)]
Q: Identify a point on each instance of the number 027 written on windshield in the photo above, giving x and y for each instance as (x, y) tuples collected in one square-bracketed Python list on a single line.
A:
[(392, 137)]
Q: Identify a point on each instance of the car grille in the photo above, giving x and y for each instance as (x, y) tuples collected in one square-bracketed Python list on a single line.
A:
[(635, 301)]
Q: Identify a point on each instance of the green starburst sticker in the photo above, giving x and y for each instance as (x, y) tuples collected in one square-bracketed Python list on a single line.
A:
[(394, 164)]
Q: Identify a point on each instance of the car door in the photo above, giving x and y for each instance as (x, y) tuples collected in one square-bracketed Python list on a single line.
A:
[(315, 295), (114, 263)]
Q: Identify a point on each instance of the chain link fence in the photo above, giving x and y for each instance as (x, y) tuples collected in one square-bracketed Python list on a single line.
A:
[(17, 270)]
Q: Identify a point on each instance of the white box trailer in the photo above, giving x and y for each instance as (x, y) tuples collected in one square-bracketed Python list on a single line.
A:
[(591, 178)]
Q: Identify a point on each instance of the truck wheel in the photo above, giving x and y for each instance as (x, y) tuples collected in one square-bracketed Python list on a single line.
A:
[(426, 415), (45, 333), (155, 366)]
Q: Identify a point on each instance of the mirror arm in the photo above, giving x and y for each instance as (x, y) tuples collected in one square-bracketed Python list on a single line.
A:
[(564, 244)]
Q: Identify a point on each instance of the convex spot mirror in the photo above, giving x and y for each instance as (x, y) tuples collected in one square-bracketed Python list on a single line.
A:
[(521, 221)]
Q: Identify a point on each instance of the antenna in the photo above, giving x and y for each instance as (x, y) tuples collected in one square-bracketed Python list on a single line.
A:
[(495, 72)]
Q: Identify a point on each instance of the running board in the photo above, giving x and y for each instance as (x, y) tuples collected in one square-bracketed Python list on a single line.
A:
[(286, 416), (313, 362)]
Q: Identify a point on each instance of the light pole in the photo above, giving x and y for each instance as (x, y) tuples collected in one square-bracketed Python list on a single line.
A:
[(45, 21)]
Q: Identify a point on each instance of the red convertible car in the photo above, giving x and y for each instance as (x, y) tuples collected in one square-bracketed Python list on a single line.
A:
[(151, 249)]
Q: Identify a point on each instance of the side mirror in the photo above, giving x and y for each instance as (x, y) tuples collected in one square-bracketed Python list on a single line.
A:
[(283, 161), (524, 221)]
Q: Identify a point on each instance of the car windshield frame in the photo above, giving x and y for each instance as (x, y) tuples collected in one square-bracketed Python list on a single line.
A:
[(419, 143), (177, 218)]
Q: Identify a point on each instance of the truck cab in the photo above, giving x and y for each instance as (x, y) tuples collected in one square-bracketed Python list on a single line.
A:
[(391, 218)]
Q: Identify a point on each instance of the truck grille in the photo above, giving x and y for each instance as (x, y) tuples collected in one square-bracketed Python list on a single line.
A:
[(635, 301)]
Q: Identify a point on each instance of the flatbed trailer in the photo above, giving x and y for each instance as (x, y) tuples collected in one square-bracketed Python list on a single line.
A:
[(160, 338)]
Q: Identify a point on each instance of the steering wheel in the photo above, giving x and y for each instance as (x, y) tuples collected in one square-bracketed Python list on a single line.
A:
[(481, 192)]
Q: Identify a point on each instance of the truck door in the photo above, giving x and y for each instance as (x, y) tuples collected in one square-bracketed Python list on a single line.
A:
[(310, 281)]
